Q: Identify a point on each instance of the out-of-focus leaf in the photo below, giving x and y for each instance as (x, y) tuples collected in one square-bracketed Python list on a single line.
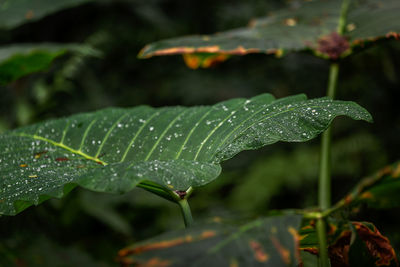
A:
[(105, 211), (17, 12), (267, 176), (113, 150), (308, 259), (272, 241), (310, 26), (346, 241), (17, 61), (46, 253), (380, 190)]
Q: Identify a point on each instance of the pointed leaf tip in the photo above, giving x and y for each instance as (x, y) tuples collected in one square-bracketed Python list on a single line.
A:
[(114, 150)]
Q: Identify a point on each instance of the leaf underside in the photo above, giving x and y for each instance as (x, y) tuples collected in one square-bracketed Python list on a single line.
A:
[(310, 26), (114, 149), (271, 241)]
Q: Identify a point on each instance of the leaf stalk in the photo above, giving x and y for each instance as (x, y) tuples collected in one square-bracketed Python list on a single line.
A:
[(186, 212)]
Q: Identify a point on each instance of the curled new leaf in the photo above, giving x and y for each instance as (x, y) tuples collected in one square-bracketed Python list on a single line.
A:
[(113, 150)]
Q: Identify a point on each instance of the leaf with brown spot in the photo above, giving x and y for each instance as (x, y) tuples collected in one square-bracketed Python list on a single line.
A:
[(223, 245), (380, 251), (309, 26), (333, 45), (61, 159)]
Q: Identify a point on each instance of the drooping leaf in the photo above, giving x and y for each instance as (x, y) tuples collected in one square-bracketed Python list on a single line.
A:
[(311, 25), (380, 190), (348, 242), (17, 61), (113, 150), (381, 252), (271, 241), (14, 13), (358, 254)]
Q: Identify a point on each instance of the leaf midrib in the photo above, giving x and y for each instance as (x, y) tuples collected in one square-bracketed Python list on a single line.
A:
[(61, 145)]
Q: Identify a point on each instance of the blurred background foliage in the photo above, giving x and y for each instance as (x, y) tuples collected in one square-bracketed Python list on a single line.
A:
[(86, 228)]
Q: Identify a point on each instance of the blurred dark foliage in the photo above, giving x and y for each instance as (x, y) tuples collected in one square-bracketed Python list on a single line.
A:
[(87, 229)]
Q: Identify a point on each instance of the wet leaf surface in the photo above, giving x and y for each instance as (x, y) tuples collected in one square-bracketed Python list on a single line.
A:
[(115, 149), (271, 241), (309, 26)]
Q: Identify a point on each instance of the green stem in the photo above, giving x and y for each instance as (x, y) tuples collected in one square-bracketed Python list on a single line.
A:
[(324, 190), (187, 214), (343, 16), (324, 187), (179, 197), (323, 244)]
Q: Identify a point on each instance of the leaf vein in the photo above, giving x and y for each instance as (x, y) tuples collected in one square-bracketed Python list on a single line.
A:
[(213, 131), (137, 134), (109, 132), (192, 131), (163, 134)]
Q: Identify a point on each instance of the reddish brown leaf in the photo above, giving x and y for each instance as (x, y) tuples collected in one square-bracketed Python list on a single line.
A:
[(377, 245)]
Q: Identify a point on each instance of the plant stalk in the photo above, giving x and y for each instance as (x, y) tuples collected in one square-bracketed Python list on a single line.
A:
[(324, 186), (324, 190), (186, 213), (323, 260)]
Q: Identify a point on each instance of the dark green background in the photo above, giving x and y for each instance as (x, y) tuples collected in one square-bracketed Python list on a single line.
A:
[(87, 229)]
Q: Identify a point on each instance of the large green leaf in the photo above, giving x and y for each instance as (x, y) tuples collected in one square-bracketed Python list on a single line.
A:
[(16, 12), (272, 241), (17, 61), (311, 25), (113, 150)]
